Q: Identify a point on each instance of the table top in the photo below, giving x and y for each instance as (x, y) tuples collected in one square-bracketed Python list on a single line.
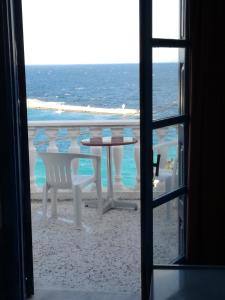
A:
[(109, 141)]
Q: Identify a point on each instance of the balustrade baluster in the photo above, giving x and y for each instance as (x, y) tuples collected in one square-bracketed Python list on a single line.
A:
[(52, 135), (74, 133), (136, 133), (95, 132), (32, 159), (117, 152)]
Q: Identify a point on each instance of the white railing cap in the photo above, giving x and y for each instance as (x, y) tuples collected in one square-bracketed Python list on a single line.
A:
[(84, 123)]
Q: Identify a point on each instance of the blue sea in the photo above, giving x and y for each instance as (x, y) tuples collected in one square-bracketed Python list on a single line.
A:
[(108, 86)]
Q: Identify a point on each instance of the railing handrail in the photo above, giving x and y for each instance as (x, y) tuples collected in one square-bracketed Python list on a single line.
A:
[(84, 123)]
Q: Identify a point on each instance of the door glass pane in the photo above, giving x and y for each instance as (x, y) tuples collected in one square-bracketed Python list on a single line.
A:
[(168, 82), (166, 19), (166, 232), (168, 144)]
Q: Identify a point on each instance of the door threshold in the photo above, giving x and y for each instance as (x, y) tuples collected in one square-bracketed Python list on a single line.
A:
[(44, 294)]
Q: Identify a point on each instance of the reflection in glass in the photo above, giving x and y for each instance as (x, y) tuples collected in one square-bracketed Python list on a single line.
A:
[(168, 82), (166, 232), (168, 143), (166, 19)]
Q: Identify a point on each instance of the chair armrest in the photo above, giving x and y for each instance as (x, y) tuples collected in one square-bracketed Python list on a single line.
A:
[(69, 155)]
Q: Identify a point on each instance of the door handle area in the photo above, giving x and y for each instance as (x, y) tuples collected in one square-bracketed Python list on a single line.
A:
[(156, 165)]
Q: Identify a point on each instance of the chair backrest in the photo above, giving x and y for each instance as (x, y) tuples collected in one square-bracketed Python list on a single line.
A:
[(58, 169)]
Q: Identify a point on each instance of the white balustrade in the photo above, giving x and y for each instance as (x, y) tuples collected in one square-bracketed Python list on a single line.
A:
[(77, 130)]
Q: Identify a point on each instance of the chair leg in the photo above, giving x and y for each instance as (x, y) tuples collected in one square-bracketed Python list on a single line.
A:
[(54, 203), (77, 206), (99, 200), (45, 202)]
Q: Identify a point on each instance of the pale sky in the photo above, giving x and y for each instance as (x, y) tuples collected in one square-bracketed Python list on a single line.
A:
[(92, 31)]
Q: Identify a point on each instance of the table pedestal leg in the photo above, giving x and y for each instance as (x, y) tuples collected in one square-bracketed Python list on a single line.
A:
[(109, 174), (110, 202)]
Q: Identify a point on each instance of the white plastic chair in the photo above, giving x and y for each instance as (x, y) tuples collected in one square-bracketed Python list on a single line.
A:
[(59, 175)]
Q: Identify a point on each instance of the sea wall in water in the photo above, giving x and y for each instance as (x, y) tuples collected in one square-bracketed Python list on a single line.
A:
[(60, 106)]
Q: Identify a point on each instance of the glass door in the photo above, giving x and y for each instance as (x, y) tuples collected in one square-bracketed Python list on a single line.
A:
[(146, 146), (170, 129), (164, 96)]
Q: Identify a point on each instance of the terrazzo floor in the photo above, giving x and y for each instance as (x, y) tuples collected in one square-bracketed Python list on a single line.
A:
[(104, 256)]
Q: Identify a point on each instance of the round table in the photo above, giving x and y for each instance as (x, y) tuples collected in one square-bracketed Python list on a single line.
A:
[(109, 142)]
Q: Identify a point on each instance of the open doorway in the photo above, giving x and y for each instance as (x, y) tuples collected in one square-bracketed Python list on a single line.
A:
[(82, 79)]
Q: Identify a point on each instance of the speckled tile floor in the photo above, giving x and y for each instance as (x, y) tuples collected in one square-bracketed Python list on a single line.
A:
[(103, 257)]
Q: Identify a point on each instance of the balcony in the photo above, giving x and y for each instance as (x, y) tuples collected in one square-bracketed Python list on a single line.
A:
[(66, 136), (63, 256)]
